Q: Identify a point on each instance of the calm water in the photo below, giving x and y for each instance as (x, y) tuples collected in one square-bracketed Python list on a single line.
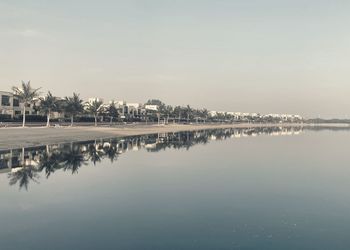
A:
[(224, 189)]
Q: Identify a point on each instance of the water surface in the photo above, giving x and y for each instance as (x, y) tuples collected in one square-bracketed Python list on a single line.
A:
[(268, 188)]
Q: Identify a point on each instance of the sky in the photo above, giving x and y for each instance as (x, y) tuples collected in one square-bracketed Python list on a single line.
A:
[(266, 56)]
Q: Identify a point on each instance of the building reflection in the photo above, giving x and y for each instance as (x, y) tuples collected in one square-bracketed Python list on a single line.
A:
[(24, 165)]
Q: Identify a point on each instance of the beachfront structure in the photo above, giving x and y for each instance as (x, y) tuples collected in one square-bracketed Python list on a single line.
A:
[(122, 108), (135, 110), (128, 110), (95, 99), (212, 113), (284, 117), (240, 116), (11, 105), (151, 107)]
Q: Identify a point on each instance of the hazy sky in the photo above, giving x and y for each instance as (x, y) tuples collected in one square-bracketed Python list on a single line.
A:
[(252, 56)]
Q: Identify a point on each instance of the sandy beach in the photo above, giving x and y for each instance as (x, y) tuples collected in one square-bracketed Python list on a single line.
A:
[(16, 137)]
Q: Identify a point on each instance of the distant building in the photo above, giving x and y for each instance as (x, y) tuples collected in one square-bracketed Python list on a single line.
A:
[(152, 107), (11, 105), (134, 109), (122, 108), (213, 113), (128, 109), (256, 116), (95, 99)]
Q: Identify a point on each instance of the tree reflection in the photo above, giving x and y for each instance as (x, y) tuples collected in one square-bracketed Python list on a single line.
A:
[(73, 159), (24, 165), (95, 153), (111, 152), (49, 162), (23, 177)]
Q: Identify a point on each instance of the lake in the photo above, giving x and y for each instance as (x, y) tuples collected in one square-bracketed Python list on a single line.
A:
[(261, 188)]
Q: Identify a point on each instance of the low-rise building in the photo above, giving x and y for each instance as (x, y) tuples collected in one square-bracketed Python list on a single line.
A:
[(11, 105), (122, 108), (151, 107), (134, 109), (95, 99), (212, 113)]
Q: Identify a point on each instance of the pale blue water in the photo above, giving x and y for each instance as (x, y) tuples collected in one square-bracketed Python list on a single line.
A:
[(252, 190)]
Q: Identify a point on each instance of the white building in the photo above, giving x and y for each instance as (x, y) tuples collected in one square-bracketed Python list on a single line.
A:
[(213, 113), (128, 109), (95, 99), (134, 109), (151, 107), (11, 105)]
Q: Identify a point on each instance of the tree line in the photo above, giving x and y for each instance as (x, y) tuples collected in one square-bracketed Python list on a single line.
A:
[(73, 106)]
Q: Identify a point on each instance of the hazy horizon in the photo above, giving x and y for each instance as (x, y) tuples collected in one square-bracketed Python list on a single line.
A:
[(249, 56)]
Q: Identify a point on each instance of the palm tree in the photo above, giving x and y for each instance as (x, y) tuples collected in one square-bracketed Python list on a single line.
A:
[(168, 111), (189, 112), (73, 106), (177, 112), (48, 104), (26, 94), (112, 111), (95, 108), (220, 116), (205, 114)]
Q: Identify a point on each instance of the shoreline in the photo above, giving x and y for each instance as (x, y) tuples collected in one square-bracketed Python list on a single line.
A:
[(18, 137)]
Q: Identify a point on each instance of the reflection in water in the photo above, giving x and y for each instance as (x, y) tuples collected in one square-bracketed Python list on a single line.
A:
[(23, 176), (23, 165)]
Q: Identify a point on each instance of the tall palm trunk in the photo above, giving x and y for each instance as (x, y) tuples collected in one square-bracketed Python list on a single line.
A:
[(71, 120), (24, 115), (48, 119), (95, 120)]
